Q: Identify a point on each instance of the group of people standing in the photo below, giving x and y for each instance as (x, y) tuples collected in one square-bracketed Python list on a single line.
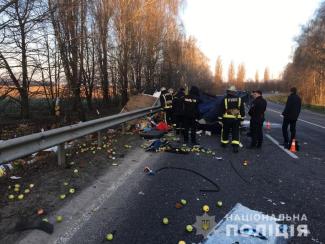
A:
[(182, 111)]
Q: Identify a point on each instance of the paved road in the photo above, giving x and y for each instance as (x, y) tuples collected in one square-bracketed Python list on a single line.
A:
[(273, 183)]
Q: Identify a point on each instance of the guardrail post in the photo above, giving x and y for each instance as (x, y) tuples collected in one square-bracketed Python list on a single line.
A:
[(99, 138), (61, 154)]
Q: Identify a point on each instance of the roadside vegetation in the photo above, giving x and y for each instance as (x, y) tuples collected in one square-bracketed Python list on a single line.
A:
[(282, 99)]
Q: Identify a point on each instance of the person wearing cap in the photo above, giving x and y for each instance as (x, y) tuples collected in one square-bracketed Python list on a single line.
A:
[(256, 112), (233, 112), (166, 101), (191, 114), (290, 116), (178, 110)]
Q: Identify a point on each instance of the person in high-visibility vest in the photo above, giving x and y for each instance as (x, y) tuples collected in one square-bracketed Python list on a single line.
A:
[(166, 101), (233, 112)]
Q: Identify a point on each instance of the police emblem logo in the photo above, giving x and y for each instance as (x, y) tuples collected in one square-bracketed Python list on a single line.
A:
[(204, 224)]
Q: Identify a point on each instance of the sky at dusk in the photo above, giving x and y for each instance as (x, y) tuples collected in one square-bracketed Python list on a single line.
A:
[(258, 33)]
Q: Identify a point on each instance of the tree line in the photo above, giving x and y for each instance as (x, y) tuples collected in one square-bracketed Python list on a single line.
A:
[(237, 77), (78, 50), (307, 69)]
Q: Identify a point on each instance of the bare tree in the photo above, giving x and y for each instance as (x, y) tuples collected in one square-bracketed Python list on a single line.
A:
[(231, 72), (17, 50)]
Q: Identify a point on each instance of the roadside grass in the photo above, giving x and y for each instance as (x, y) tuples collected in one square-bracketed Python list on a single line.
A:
[(281, 98)]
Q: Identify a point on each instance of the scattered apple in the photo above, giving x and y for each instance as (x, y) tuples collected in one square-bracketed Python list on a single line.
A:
[(72, 190), (59, 218), (31, 185), (27, 191), (21, 196), (178, 205), (45, 220), (165, 221), (11, 197), (65, 183), (17, 185), (206, 208), (189, 228), (183, 201), (219, 204), (40, 211), (76, 171), (109, 237), (181, 242), (16, 189), (62, 196)]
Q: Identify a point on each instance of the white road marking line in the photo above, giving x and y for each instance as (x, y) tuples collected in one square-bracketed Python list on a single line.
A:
[(320, 126), (274, 111), (281, 147), (323, 127)]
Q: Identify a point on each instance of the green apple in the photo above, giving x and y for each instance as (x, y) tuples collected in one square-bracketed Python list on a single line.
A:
[(109, 237), (11, 197), (62, 196), (27, 191), (189, 228), (17, 185), (71, 190), (59, 218), (219, 204), (183, 201), (31, 185), (76, 171), (165, 221), (21, 196)]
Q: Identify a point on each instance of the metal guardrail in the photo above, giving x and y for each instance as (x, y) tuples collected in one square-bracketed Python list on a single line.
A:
[(22, 146)]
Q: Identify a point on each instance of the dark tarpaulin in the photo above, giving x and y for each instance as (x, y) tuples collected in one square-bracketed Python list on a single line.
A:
[(209, 106)]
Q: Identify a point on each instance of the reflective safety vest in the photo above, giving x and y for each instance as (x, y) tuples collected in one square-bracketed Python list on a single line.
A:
[(168, 99), (232, 108)]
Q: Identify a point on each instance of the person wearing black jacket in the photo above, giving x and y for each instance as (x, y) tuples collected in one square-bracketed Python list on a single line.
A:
[(191, 113), (256, 112), (290, 116), (178, 110)]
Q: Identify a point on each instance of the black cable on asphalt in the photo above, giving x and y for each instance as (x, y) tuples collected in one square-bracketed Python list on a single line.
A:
[(236, 171), (194, 172)]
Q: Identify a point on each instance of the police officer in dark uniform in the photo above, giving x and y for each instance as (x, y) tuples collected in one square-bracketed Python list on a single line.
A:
[(290, 116), (166, 101), (178, 110), (256, 112), (191, 113), (233, 112)]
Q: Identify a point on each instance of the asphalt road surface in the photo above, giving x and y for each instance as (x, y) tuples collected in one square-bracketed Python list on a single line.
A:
[(274, 182)]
